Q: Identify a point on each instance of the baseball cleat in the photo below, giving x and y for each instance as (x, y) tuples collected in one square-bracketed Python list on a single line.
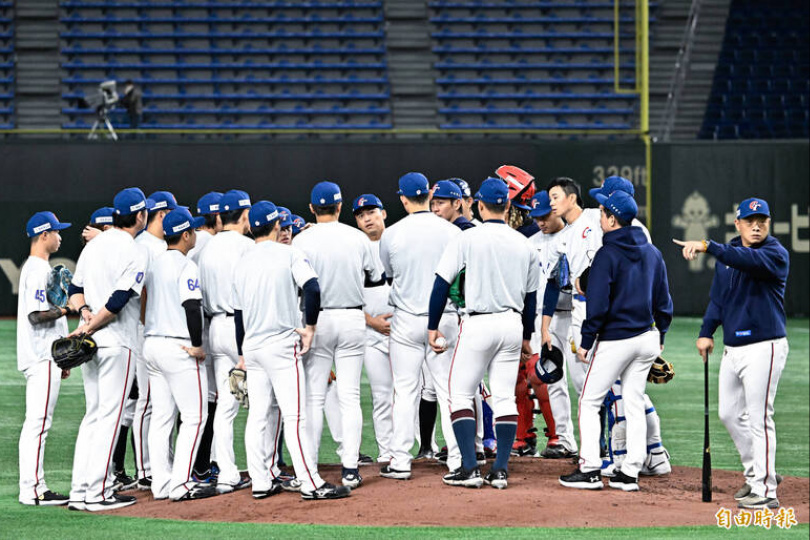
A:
[(204, 478), (480, 459), (556, 451), (463, 478), (326, 491), (198, 491), (292, 485), (145, 483), (425, 455), (115, 502), (745, 491), (755, 502), (351, 478), (496, 479), (363, 460), (441, 456), (623, 482), (49, 498), (582, 480), (524, 448), (396, 474), (284, 476), (78, 506), (228, 488), (608, 469), (275, 487), (123, 481)]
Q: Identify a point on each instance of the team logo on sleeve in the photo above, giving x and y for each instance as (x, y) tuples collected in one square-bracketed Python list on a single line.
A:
[(139, 277), (586, 232)]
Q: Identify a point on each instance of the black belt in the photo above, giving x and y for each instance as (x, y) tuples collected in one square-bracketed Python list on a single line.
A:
[(228, 314), (331, 308), (474, 313)]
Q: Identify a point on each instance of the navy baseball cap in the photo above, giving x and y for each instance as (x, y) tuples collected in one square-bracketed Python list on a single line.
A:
[(463, 186), (128, 201), (209, 203), (620, 204), (541, 205), (161, 200), (285, 215), (445, 189), (298, 224), (263, 213), (413, 184), (43, 221), (493, 191), (102, 216), (179, 220), (614, 183), (753, 207), (325, 194), (234, 199), (367, 200)]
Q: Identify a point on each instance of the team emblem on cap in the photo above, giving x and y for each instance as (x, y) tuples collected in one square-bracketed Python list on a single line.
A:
[(299, 222), (361, 201), (755, 205), (43, 227), (183, 226)]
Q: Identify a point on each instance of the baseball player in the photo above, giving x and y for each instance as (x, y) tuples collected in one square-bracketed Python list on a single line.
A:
[(370, 217), (299, 224), (628, 314), (173, 349), (158, 204), (562, 443), (748, 298), (345, 262), (410, 251), (502, 274), (267, 281), (466, 200), (217, 264), (109, 277), (205, 468), (100, 221), (39, 323), (286, 223)]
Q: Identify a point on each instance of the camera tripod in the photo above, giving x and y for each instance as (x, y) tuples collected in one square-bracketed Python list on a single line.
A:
[(105, 120)]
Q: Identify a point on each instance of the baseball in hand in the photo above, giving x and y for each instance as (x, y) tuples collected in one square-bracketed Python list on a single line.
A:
[(442, 343)]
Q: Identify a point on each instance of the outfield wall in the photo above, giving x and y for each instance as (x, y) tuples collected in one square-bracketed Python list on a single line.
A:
[(74, 178)]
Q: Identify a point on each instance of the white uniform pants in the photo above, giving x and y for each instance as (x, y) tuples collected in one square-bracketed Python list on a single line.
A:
[(488, 344), (630, 360), (225, 357), (749, 375), (178, 382), (558, 396), (381, 381), (576, 369), (340, 339), (142, 418), (107, 382), (409, 350), (276, 369), (42, 382)]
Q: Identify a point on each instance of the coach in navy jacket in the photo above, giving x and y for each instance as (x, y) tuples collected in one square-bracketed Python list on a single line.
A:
[(748, 298)]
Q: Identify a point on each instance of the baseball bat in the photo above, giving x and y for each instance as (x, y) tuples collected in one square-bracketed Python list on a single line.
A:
[(707, 453)]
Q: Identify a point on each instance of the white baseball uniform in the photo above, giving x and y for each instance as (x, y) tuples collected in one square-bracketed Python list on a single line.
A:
[(153, 246), (501, 269), (410, 251), (42, 376), (344, 259), (177, 381), (218, 262), (111, 262), (548, 249), (378, 366), (266, 282)]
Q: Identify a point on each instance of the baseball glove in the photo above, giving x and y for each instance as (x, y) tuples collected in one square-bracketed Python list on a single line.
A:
[(457, 289), (661, 371), (237, 379), (71, 352), (58, 283)]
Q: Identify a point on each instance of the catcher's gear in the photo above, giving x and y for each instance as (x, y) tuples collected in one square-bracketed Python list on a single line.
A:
[(58, 282), (457, 289), (661, 371), (71, 352), (521, 187), (549, 367), (237, 379)]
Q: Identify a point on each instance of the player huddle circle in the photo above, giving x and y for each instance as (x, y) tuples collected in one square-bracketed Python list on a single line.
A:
[(246, 304)]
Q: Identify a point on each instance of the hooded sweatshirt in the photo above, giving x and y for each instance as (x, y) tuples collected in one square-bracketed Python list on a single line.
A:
[(748, 292), (628, 290)]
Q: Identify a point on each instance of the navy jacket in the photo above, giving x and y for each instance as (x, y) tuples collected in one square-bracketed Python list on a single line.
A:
[(628, 289), (748, 292), (463, 223)]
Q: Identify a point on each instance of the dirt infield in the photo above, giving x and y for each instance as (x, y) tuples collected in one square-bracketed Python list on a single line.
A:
[(534, 498)]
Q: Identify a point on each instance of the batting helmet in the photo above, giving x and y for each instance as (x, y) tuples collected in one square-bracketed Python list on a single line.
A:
[(521, 185), (549, 368)]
